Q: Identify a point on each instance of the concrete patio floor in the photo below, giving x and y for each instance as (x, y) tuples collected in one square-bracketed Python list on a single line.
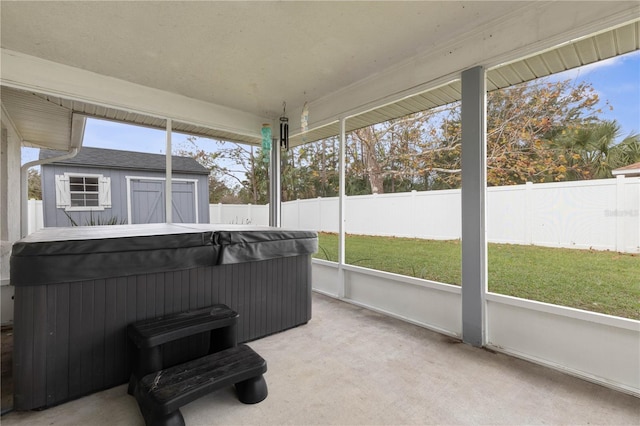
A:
[(349, 365)]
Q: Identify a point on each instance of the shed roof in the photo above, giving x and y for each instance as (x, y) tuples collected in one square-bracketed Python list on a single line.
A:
[(116, 159), (630, 170)]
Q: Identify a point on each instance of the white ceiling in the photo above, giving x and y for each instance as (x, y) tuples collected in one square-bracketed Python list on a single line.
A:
[(243, 59), (249, 56)]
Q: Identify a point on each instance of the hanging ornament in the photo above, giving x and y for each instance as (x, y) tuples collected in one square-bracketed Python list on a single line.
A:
[(304, 119), (284, 128), (266, 142)]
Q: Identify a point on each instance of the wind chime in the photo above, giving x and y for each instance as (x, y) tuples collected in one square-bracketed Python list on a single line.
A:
[(266, 142), (284, 128)]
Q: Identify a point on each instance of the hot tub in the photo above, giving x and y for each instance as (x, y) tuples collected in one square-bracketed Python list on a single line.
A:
[(76, 289)]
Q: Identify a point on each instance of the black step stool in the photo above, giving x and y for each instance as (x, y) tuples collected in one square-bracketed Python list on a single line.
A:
[(160, 391), (148, 336), (161, 394)]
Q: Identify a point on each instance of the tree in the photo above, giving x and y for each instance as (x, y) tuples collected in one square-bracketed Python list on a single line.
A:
[(522, 123), (219, 192), (590, 152), (528, 140), (384, 155), (34, 184), (540, 131), (238, 172), (255, 166)]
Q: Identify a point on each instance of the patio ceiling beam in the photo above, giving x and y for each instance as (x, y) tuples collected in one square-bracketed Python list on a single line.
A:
[(33, 74), (492, 45)]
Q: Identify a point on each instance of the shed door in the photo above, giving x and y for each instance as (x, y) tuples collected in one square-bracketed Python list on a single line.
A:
[(147, 201), (183, 199)]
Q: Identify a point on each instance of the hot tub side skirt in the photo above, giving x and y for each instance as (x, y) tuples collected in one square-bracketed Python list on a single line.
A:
[(70, 337)]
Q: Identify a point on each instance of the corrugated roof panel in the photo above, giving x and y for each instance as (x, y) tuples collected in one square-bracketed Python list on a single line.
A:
[(400, 109), (495, 79), (523, 71), (324, 132), (41, 123), (185, 127), (358, 121), (63, 102), (537, 65), (101, 112), (153, 121), (510, 75), (586, 51), (394, 110), (371, 117), (592, 49), (415, 103), (88, 109), (569, 56), (606, 45), (425, 101), (440, 97), (628, 37), (456, 85), (553, 61)]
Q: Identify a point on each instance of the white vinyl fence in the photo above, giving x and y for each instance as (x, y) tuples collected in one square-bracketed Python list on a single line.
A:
[(599, 214), (35, 215), (242, 214)]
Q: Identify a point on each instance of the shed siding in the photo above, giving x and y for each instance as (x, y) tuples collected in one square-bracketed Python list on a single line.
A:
[(55, 217)]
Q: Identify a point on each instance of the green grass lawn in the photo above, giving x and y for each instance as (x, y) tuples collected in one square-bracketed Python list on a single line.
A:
[(598, 281)]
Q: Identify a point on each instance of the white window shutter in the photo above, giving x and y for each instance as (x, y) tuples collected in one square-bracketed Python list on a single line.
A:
[(63, 196), (104, 192)]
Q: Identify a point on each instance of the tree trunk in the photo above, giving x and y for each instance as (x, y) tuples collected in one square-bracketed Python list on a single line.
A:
[(372, 166)]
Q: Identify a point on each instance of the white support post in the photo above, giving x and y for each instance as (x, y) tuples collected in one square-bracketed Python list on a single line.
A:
[(342, 210), (275, 196), (474, 191), (168, 187)]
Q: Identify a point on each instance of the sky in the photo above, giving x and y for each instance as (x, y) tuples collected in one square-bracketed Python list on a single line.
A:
[(616, 80)]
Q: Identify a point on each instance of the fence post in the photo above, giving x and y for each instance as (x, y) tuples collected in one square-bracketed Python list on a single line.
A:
[(31, 214), (412, 225), (619, 213), (249, 215), (39, 214), (319, 226), (528, 212)]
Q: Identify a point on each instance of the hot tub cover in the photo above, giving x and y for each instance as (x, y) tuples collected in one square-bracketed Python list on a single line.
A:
[(56, 255)]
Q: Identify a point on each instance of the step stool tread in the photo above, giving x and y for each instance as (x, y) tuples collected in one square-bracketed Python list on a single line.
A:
[(157, 331), (169, 389)]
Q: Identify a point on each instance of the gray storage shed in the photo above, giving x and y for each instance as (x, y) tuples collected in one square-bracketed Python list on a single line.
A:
[(99, 186)]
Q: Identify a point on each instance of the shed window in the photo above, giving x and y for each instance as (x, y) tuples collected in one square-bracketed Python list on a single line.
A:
[(83, 192)]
